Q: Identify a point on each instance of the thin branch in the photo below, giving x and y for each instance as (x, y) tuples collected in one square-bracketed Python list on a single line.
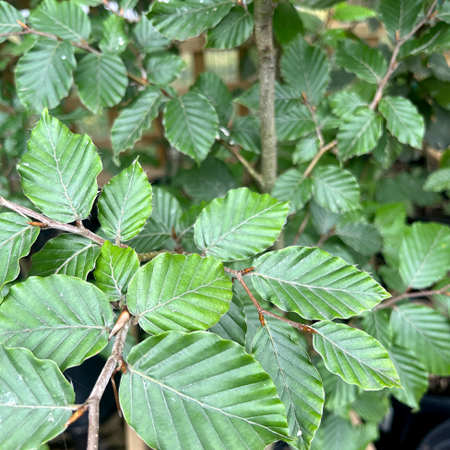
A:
[(247, 166), (312, 110), (301, 228), (263, 13), (261, 311), (325, 237), (316, 159), (49, 223), (393, 62), (391, 301)]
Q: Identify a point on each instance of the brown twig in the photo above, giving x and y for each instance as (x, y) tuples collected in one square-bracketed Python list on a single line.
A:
[(393, 62), (316, 158), (312, 110), (392, 300), (261, 311), (143, 257), (301, 228), (325, 237)]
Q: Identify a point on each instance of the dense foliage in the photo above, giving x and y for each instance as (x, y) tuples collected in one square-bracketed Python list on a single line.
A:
[(264, 316)]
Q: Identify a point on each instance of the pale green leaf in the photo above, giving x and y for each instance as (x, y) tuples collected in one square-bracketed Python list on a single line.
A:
[(163, 68), (35, 399), (44, 74), (240, 225), (335, 433), (115, 38), (63, 19), (296, 123), (349, 13), (16, 238), (305, 149), (293, 187), (135, 118), (403, 120), (399, 16), (355, 356), (191, 125), (58, 317), (297, 381), (125, 203), (364, 238), (444, 12), (246, 132), (345, 103), (314, 284), (438, 181), (424, 254), (114, 270), (232, 31), (176, 383), (58, 172), (147, 38), (8, 20), (66, 254), (335, 189), (426, 333), (101, 81)]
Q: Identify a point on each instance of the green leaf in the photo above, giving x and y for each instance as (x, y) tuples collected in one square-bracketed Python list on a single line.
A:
[(147, 39), (433, 40), (35, 399), (424, 254), (101, 81), (322, 219), (8, 20), (355, 356), (232, 31), (16, 238), (286, 23), (183, 19), (426, 333), (115, 38), (399, 15), (58, 172), (240, 225), (349, 13), (66, 254), (365, 62), (297, 381), (158, 229), (246, 132), (305, 68), (178, 292), (361, 237), (372, 406), (292, 186), (215, 90), (412, 374), (335, 189), (444, 12), (114, 270), (67, 321), (163, 68), (125, 203), (359, 135), (134, 119), (185, 226), (296, 123), (314, 284), (438, 181), (376, 323), (403, 120), (305, 149), (345, 103), (335, 433), (44, 74), (387, 150), (232, 325), (191, 124), (63, 19)]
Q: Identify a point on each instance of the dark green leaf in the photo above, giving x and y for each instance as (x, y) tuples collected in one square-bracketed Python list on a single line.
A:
[(297, 123), (361, 237), (163, 68), (345, 103), (147, 38), (286, 23), (292, 186), (399, 15), (305, 149), (246, 132), (115, 38)]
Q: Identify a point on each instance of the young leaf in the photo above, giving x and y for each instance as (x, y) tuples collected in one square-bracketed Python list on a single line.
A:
[(232, 31), (191, 124), (297, 381), (114, 270), (287, 24), (293, 187), (424, 256), (240, 225), (296, 123), (134, 119), (314, 284), (246, 132), (44, 74), (355, 356), (403, 120), (35, 399), (58, 172), (101, 81), (305, 69), (198, 381), (335, 189), (147, 39), (426, 333), (16, 238), (125, 203), (399, 16), (63, 19), (412, 374), (232, 325), (183, 19), (177, 292), (362, 237), (67, 321), (66, 254), (163, 68), (367, 63), (345, 103), (115, 38), (8, 20)]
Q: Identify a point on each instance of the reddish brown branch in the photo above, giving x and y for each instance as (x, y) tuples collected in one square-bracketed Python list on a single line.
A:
[(301, 228)]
